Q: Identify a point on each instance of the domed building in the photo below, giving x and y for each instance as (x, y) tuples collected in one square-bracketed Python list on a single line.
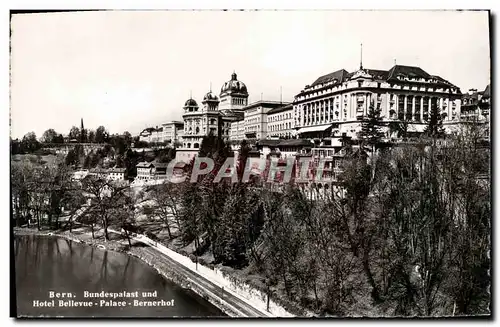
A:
[(210, 102), (233, 95), (190, 105), (214, 117), (193, 124)]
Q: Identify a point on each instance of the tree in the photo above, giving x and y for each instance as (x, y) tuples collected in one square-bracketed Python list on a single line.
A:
[(128, 138), (400, 128), (126, 214), (49, 136), (72, 158), (84, 136), (29, 143), (357, 226), (74, 133), (120, 163), (105, 198), (59, 139), (15, 146), (101, 135), (22, 176), (91, 136), (435, 127), (167, 198), (118, 143), (371, 127), (75, 207)]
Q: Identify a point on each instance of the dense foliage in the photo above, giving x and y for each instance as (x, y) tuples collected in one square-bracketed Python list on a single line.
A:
[(406, 232)]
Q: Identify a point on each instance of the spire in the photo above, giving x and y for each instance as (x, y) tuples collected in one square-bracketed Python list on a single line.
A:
[(281, 94), (233, 76), (210, 87), (82, 132), (190, 94), (361, 60), (394, 61)]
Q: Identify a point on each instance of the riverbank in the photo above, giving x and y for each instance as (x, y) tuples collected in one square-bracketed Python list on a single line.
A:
[(171, 270)]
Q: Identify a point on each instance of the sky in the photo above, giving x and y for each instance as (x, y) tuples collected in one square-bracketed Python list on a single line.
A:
[(127, 70)]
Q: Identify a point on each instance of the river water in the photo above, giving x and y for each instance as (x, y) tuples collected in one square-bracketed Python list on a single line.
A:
[(45, 264)]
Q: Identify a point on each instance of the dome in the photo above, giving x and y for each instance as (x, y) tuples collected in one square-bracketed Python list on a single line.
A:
[(210, 97), (234, 86), (190, 103)]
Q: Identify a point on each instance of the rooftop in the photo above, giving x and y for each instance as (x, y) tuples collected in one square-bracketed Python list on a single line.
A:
[(266, 103), (280, 109), (396, 73)]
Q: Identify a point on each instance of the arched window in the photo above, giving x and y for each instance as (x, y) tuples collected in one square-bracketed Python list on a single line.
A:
[(196, 145), (189, 145)]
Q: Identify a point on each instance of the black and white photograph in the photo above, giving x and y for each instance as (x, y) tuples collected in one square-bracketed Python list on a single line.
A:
[(250, 164)]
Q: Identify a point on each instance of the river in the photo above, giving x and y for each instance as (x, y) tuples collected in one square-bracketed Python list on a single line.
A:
[(45, 264)]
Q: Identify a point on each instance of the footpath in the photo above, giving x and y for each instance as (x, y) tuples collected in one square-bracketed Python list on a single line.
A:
[(235, 298), (200, 282)]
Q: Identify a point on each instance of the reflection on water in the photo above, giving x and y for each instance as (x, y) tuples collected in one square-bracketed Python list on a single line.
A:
[(45, 264)]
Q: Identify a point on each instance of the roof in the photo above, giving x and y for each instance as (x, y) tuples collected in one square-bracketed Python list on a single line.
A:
[(320, 128), (378, 74), (159, 164), (236, 114), (442, 80), (234, 86), (150, 130), (155, 164), (106, 170), (295, 142), (268, 142), (173, 122), (407, 71), (486, 93), (339, 75), (210, 96), (144, 164), (116, 170), (266, 103), (190, 103), (280, 109), (395, 74)]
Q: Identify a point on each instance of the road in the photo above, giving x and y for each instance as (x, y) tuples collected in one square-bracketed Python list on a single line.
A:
[(242, 308)]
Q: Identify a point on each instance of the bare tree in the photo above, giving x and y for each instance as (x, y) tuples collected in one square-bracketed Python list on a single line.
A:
[(167, 201), (105, 197)]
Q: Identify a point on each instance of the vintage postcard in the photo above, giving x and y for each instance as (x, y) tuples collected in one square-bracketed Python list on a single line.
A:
[(250, 163)]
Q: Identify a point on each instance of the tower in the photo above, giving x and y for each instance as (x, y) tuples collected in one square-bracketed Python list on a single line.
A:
[(233, 95), (361, 58), (83, 133)]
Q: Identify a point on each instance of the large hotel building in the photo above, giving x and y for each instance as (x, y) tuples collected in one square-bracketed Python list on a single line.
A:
[(339, 101)]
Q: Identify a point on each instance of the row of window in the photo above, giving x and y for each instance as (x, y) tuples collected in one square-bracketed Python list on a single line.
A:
[(360, 84), (188, 145), (282, 116), (280, 127), (213, 121), (288, 135), (253, 120), (239, 101)]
